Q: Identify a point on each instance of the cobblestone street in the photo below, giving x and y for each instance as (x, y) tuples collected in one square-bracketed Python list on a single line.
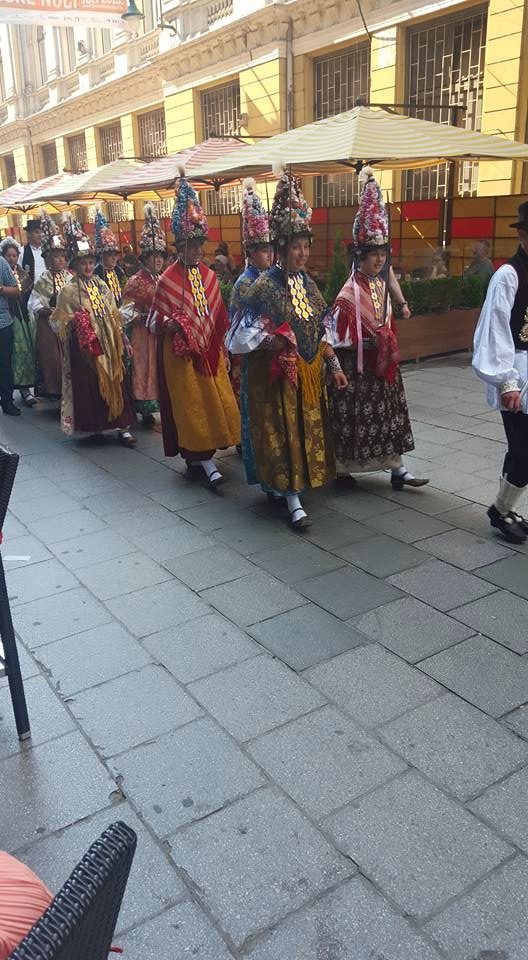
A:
[(320, 739)]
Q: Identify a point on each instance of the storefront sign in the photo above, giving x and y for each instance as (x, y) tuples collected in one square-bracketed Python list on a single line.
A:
[(63, 12)]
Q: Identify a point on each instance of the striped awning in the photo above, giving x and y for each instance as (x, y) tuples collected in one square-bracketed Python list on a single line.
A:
[(155, 180), (19, 197), (362, 136), (98, 184)]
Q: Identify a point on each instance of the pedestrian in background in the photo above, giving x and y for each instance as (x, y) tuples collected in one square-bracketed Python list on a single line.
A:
[(24, 359)]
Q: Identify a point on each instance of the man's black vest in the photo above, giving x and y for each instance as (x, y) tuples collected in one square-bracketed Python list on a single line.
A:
[(28, 260), (519, 314)]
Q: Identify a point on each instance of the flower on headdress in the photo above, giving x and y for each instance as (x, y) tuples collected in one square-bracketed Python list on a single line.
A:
[(371, 228), (188, 219), (255, 222), (152, 239), (290, 214)]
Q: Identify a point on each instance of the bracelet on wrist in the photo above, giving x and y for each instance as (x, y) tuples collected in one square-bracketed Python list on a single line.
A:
[(509, 387)]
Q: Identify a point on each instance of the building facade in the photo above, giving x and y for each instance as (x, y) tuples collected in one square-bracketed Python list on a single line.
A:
[(75, 98)]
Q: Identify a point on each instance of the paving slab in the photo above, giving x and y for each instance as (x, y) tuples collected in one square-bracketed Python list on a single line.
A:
[(154, 517), (352, 923), (210, 772), (24, 490), (155, 608), (306, 636), (482, 672), (257, 861), (517, 721), (381, 556), (347, 592), (122, 575), (298, 561), (411, 629), (181, 495), (200, 647), (183, 930), (336, 530), (92, 548), (419, 847), (47, 716), (153, 883), (38, 580), (177, 540), (67, 526), (13, 528), (255, 696), (504, 806), (33, 776), (407, 525), (22, 552), (54, 505), (510, 574), (91, 657), (490, 922), (57, 616), (209, 567), (214, 515), (502, 616), (324, 760), (455, 745), (116, 715), (464, 549), (257, 596), (371, 684), (112, 504), (253, 535), (359, 505), (441, 585)]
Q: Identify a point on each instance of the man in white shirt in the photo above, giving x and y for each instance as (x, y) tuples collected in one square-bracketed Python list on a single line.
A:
[(500, 358), (31, 258)]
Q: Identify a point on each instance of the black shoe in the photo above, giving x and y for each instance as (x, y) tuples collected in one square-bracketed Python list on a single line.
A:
[(11, 410), (345, 481), (507, 524), (521, 521)]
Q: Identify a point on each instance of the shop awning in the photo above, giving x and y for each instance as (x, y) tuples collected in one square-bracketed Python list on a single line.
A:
[(156, 179), (93, 185), (19, 197)]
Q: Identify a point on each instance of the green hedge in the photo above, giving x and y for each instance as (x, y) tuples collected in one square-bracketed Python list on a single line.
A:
[(447, 293)]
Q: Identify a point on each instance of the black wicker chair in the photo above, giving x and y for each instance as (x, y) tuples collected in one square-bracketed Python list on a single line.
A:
[(9, 663), (80, 922)]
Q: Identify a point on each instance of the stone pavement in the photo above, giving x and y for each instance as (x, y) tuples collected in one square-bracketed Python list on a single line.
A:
[(321, 740)]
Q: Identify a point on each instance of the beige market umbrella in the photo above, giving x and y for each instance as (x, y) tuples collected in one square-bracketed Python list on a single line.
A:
[(93, 185), (359, 136), (19, 198)]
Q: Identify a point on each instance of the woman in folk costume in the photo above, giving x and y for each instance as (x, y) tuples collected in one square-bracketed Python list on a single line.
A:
[(24, 358), (199, 413), (286, 443), (107, 250), (370, 419), (257, 246), (42, 302), (137, 301), (95, 395)]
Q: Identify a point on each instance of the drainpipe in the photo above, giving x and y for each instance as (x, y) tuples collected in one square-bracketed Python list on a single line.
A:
[(289, 75)]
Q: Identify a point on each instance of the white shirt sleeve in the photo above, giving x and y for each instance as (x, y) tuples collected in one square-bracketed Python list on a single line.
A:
[(245, 339), (493, 346)]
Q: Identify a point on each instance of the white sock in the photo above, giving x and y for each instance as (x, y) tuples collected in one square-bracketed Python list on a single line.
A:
[(294, 503), (402, 472), (509, 496), (209, 467)]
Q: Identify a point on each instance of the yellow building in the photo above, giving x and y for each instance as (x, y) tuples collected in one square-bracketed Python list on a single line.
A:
[(77, 98)]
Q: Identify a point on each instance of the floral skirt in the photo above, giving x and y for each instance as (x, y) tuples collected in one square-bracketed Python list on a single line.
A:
[(370, 419), (24, 360)]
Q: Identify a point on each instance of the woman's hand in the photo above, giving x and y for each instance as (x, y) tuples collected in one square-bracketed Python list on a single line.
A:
[(405, 311), (129, 350), (511, 401), (340, 380)]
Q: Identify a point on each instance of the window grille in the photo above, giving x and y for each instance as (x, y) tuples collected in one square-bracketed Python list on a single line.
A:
[(77, 153), (152, 134), (339, 80), (10, 170), (223, 202), (119, 211), (221, 110), (49, 159), (445, 64), (111, 142)]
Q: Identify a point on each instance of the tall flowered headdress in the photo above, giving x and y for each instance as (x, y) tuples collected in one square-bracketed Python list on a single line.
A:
[(105, 240), (371, 225), (290, 214), (188, 219), (255, 221), (52, 238), (78, 244), (152, 239)]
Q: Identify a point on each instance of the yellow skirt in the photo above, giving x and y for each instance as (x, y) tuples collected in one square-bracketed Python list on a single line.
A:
[(204, 409)]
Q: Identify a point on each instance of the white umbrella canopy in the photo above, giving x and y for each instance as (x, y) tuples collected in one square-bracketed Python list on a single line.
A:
[(98, 184), (19, 198), (357, 137), (156, 179)]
